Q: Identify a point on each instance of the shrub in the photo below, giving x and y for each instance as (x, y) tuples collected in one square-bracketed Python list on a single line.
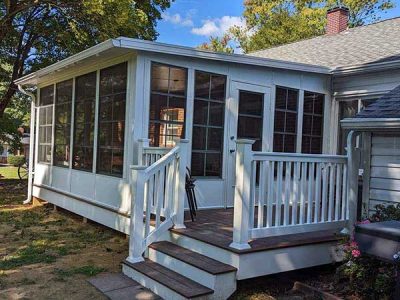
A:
[(16, 160), (370, 277)]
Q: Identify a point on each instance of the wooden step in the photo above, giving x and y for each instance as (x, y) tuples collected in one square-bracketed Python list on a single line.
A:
[(181, 285), (194, 259)]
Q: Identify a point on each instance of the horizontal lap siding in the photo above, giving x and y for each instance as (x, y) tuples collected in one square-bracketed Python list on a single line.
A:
[(385, 170)]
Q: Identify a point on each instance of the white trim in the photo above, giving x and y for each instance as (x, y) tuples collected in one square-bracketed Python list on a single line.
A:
[(300, 117), (371, 123), (364, 68), (155, 47), (96, 122)]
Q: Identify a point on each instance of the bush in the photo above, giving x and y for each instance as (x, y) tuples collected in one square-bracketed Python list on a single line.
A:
[(16, 160), (370, 277)]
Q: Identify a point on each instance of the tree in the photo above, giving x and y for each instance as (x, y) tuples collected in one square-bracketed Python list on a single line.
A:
[(36, 33), (217, 44), (276, 22)]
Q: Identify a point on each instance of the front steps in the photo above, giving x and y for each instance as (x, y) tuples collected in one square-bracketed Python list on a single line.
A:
[(174, 272)]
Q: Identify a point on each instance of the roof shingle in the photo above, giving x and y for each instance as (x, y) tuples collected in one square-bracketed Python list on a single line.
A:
[(379, 42), (388, 106)]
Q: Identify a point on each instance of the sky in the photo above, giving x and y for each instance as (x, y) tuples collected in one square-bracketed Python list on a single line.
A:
[(191, 22)]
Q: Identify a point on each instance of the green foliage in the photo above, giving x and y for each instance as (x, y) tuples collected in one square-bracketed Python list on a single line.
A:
[(34, 34), (217, 44), (16, 160), (88, 270), (386, 213), (277, 22)]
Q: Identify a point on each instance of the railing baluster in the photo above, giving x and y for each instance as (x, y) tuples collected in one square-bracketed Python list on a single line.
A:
[(303, 188), (317, 193), (344, 193), (296, 192), (278, 198), (310, 193), (261, 193), (270, 197), (324, 192), (331, 191), (288, 184), (160, 194), (253, 185), (338, 190)]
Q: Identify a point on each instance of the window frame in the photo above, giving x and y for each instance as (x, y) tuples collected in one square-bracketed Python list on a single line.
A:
[(209, 101), (71, 103), (169, 95), (47, 106)]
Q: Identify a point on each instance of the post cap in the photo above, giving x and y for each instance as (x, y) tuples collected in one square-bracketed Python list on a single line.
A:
[(245, 141)]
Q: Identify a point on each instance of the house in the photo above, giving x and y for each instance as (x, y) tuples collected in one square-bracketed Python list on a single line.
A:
[(117, 124), (5, 150)]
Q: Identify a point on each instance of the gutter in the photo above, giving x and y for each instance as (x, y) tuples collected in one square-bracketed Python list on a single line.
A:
[(368, 124), (366, 68), (31, 143)]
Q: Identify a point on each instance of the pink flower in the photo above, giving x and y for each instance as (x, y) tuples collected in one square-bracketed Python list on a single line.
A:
[(356, 253), (353, 244), (365, 222)]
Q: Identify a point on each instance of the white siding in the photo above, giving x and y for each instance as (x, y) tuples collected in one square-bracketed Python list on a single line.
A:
[(385, 170)]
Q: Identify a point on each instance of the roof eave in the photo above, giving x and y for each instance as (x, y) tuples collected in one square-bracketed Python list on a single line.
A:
[(369, 124), (366, 68)]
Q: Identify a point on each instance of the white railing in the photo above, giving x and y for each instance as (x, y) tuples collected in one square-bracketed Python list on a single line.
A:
[(158, 193), (149, 155), (287, 193)]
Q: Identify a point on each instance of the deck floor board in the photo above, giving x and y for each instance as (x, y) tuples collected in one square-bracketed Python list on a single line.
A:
[(215, 227)]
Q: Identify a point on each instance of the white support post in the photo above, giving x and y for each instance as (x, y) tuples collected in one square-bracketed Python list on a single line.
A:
[(136, 229), (143, 143), (241, 218), (180, 192), (353, 157)]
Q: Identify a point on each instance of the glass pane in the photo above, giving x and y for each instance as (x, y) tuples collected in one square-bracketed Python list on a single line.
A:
[(199, 138), (213, 164), (289, 143), (47, 95), (177, 83), (291, 122), (85, 87), (309, 102), (319, 104), (317, 126), (292, 100), (104, 160), (215, 138), (200, 113), (281, 95), (316, 145), (117, 162), (202, 85), (249, 128), (279, 121), (198, 162), (278, 142), (305, 144), (251, 103), (158, 104), (118, 134), (113, 80), (216, 117), (307, 124), (159, 78), (218, 87)]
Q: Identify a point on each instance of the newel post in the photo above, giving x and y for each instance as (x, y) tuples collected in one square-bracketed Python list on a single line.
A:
[(142, 143), (180, 192), (136, 229), (241, 218), (353, 161)]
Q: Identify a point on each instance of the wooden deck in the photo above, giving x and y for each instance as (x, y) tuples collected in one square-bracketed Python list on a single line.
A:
[(215, 227)]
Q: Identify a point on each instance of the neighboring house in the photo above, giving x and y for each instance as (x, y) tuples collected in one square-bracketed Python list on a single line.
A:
[(5, 149), (117, 124)]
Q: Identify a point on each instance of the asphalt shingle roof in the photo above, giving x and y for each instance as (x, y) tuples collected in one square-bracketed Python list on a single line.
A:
[(388, 106), (379, 42)]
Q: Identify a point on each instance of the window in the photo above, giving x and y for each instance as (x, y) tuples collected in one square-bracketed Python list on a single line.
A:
[(62, 132), (313, 123), (85, 100), (208, 124), (45, 123), (285, 128), (250, 119), (111, 131), (167, 105)]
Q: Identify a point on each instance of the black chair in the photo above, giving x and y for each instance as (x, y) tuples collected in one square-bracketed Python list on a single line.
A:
[(191, 195)]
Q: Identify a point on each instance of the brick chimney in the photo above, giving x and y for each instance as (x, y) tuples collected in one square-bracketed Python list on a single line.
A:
[(337, 19)]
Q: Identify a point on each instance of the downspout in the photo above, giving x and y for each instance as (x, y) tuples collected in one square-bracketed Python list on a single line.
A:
[(31, 143)]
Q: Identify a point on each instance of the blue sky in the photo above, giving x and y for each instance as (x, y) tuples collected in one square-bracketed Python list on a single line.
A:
[(191, 22)]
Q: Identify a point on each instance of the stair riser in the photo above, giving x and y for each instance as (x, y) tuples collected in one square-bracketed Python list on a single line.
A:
[(159, 289), (223, 284), (211, 251)]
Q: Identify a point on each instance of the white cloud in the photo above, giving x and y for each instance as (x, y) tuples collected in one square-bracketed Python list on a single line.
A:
[(217, 27), (177, 19)]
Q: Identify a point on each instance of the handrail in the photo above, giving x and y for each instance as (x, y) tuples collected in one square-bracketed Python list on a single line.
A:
[(302, 157), (152, 169)]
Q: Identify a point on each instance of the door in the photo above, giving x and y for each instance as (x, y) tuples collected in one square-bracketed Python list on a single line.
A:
[(250, 111)]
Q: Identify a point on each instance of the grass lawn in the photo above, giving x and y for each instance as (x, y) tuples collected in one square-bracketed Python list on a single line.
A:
[(46, 254), (9, 172)]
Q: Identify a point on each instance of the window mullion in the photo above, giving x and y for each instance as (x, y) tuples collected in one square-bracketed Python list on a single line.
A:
[(300, 118), (96, 122)]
